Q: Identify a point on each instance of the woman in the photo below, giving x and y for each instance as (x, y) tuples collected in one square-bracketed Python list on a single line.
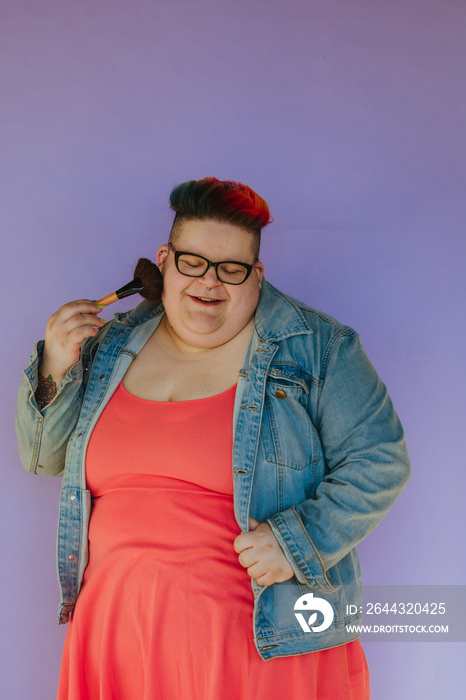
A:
[(190, 543)]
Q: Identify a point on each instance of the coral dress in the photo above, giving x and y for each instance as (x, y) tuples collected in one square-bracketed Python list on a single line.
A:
[(165, 610)]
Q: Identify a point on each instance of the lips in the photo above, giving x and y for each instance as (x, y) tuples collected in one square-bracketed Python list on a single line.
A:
[(206, 301)]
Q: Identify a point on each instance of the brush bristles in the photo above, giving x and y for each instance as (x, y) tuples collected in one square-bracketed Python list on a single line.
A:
[(151, 278)]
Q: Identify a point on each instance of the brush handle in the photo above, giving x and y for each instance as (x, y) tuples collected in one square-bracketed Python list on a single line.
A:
[(126, 291), (109, 299)]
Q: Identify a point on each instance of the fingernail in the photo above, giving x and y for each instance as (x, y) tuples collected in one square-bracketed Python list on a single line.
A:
[(99, 306)]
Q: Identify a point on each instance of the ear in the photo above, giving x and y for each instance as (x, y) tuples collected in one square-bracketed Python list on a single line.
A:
[(162, 254), (259, 270)]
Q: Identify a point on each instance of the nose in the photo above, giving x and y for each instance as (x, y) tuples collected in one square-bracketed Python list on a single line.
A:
[(210, 277)]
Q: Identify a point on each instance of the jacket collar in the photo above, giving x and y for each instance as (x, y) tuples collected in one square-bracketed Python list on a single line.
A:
[(140, 314), (278, 316)]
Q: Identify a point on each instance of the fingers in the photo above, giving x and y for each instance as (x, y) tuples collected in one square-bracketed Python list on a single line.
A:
[(73, 309), (249, 557), (251, 561), (242, 542), (74, 321), (253, 523), (265, 570), (262, 577), (66, 329), (262, 556), (81, 322), (248, 539)]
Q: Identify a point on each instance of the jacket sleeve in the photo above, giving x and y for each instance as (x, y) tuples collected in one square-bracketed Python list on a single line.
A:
[(366, 461), (43, 434)]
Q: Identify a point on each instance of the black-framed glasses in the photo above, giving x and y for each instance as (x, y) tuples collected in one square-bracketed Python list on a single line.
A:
[(227, 271)]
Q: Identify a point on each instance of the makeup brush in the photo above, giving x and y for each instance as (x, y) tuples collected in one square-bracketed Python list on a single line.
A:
[(148, 281)]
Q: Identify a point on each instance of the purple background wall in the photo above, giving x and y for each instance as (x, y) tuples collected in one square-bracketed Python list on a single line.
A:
[(348, 117)]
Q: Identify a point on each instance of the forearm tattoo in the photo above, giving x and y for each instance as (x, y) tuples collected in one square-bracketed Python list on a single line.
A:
[(46, 390)]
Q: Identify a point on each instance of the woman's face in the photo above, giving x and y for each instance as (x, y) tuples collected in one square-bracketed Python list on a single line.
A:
[(195, 321)]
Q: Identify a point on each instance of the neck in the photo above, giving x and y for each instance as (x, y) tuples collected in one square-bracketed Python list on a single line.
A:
[(177, 347)]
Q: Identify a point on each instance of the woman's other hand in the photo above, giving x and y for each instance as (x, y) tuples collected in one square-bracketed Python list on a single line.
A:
[(66, 329), (262, 556)]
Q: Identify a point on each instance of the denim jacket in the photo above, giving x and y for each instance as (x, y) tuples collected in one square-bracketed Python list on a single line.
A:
[(318, 453)]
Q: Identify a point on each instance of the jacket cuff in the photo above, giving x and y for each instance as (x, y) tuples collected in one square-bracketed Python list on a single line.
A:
[(299, 550), (32, 370), (32, 374)]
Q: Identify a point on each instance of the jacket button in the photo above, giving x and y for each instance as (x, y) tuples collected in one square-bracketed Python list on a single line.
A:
[(71, 557), (102, 376), (122, 331), (280, 394), (73, 497)]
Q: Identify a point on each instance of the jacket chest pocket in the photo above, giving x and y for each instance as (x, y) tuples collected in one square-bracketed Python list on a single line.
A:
[(288, 434)]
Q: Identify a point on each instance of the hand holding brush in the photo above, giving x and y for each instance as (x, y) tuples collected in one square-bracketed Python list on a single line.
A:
[(72, 322)]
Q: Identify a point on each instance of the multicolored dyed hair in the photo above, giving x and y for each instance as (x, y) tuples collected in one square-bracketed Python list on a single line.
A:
[(221, 200)]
